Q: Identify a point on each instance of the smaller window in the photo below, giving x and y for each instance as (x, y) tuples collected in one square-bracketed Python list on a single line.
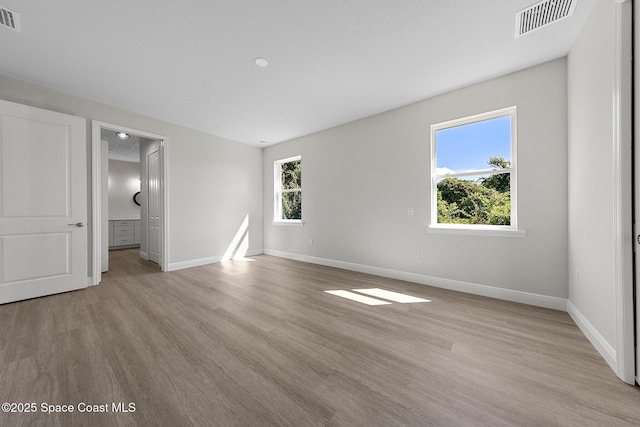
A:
[(288, 190), (473, 172)]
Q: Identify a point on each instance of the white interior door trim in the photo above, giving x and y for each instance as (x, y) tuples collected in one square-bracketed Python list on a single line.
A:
[(96, 192), (623, 190)]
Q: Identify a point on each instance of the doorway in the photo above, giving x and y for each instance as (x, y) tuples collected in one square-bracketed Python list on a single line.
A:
[(121, 208)]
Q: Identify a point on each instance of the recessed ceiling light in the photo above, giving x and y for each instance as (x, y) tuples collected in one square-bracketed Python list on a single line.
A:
[(122, 135), (261, 62)]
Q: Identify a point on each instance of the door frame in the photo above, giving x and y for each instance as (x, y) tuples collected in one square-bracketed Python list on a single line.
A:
[(623, 190), (631, 348), (96, 196)]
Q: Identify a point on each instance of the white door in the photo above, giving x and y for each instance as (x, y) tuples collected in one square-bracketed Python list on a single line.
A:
[(153, 209), (636, 173), (43, 202)]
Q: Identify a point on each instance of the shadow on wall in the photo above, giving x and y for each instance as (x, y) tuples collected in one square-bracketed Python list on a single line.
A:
[(240, 244)]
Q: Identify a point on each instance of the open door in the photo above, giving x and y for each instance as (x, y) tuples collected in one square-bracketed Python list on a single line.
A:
[(636, 178), (43, 202), (153, 210)]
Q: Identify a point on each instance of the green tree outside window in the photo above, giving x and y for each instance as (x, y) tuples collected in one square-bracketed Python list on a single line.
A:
[(291, 178)]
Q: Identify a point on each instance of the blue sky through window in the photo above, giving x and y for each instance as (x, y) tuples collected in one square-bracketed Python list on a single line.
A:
[(469, 147)]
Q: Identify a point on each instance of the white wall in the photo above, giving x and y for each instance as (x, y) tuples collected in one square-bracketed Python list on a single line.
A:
[(591, 175), (359, 178), (124, 182), (213, 182)]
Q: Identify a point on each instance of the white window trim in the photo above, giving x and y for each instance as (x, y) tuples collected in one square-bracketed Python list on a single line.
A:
[(289, 223), (277, 186), (477, 229)]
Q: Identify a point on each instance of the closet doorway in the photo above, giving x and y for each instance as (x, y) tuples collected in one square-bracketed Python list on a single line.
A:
[(129, 201)]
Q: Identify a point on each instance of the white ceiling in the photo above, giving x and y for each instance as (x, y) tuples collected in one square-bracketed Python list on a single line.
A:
[(191, 62), (126, 150)]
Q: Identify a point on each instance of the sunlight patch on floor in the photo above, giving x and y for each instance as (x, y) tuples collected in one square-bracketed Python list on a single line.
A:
[(357, 297), (380, 294), (391, 296)]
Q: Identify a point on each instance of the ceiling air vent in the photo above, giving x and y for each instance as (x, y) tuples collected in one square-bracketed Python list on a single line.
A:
[(542, 14), (9, 19)]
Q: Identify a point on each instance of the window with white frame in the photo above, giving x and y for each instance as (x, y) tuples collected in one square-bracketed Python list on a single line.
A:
[(288, 190), (473, 172)]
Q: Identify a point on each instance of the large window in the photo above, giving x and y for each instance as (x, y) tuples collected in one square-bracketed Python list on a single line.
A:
[(473, 172), (288, 190)]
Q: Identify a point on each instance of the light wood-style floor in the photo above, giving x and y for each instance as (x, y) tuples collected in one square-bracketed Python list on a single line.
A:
[(257, 343)]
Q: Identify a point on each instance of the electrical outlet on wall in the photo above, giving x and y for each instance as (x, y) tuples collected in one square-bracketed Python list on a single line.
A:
[(410, 211), (310, 242), (416, 253)]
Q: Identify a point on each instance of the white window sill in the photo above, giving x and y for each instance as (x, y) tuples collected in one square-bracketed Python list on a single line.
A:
[(469, 231), (289, 223)]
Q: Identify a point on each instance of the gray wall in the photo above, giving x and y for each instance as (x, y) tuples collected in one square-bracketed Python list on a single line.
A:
[(591, 175), (124, 182), (213, 182), (359, 178)]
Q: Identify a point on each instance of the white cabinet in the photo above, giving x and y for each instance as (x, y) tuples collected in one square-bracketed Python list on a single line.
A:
[(136, 232), (124, 232)]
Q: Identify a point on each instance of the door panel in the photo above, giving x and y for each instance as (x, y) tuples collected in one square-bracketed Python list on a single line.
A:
[(51, 250), (34, 174), (43, 198), (153, 210)]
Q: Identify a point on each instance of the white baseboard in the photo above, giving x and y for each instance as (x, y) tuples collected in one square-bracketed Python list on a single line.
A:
[(144, 255), (605, 349), (455, 285), (173, 266)]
